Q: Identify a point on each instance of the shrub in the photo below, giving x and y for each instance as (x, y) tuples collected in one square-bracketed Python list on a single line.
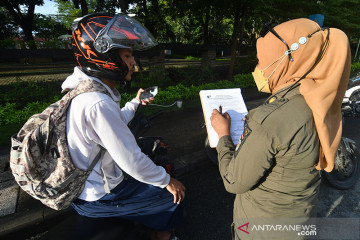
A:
[(244, 80), (10, 114), (157, 76), (163, 78), (7, 44), (180, 91), (7, 113), (22, 93), (22, 99), (355, 67), (246, 65)]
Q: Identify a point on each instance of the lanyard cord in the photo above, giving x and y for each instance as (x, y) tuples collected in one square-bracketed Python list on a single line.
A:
[(319, 57)]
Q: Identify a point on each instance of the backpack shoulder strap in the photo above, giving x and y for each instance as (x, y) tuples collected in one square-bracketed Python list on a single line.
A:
[(93, 86), (88, 86), (83, 87)]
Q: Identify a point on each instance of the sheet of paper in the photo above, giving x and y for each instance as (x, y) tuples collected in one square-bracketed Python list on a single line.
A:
[(231, 102)]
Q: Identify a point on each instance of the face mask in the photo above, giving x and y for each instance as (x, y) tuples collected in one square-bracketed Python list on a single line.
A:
[(262, 82)]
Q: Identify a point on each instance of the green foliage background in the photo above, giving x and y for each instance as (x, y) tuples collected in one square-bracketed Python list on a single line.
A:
[(187, 21), (22, 100)]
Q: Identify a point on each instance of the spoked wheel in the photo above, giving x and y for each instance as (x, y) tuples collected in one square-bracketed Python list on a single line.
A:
[(211, 152), (346, 171)]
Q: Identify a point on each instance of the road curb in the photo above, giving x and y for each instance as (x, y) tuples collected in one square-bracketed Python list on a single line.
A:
[(27, 219)]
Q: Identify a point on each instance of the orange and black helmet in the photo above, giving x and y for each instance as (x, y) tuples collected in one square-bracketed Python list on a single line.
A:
[(97, 37)]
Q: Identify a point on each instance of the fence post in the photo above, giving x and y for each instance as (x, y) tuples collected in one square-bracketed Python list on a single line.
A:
[(157, 61), (208, 58)]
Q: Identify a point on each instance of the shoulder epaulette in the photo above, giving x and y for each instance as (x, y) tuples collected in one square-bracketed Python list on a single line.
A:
[(262, 113)]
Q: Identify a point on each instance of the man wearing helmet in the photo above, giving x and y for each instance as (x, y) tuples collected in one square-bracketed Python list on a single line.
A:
[(103, 46)]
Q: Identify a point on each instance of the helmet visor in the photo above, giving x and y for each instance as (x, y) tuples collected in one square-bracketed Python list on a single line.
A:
[(123, 32)]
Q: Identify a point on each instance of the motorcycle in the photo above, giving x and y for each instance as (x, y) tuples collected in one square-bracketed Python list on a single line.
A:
[(351, 101), (346, 171), (347, 167), (153, 146)]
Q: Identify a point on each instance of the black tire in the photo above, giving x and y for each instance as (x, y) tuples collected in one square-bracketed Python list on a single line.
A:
[(346, 170), (211, 152)]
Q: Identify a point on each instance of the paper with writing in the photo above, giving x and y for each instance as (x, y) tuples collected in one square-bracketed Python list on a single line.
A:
[(232, 102)]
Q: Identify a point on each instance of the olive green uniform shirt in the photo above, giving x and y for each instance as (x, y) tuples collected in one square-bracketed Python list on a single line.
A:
[(271, 170)]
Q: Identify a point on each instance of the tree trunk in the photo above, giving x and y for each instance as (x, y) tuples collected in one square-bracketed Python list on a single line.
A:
[(123, 6), (76, 4), (84, 7), (242, 30), (206, 26), (234, 43), (28, 25), (155, 18)]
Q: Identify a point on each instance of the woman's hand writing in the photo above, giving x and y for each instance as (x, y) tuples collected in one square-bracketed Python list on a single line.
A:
[(221, 123)]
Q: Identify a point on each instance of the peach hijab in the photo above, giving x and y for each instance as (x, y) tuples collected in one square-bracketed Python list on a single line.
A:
[(323, 88)]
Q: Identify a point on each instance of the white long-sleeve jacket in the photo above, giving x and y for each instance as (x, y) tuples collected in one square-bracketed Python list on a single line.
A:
[(96, 119)]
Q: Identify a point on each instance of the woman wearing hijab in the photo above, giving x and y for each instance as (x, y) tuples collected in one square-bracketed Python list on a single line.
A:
[(274, 170)]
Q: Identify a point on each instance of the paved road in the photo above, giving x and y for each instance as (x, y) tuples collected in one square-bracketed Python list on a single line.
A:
[(342, 203), (209, 206)]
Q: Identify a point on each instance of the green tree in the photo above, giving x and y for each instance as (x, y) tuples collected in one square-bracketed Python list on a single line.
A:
[(79, 4), (342, 14), (181, 24), (250, 15), (8, 28), (48, 27), (185, 21), (22, 11), (69, 10), (239, 11)]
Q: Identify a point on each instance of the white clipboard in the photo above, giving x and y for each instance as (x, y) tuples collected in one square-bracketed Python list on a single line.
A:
[(231, 102)]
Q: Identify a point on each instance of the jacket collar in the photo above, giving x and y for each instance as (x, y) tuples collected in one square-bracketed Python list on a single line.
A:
[(78, 76)]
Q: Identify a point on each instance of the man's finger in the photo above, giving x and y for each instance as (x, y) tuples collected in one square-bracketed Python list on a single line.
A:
[(180, 198), (175, 197)]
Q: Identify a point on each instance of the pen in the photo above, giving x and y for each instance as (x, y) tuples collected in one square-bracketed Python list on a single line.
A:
[(220, 109)]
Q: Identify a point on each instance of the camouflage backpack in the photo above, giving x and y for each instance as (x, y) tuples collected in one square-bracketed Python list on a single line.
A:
[(40, 159)]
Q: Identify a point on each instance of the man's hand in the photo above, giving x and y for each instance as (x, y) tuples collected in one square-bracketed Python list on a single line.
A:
[(177, 189), (221, 123), (143, 102)]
